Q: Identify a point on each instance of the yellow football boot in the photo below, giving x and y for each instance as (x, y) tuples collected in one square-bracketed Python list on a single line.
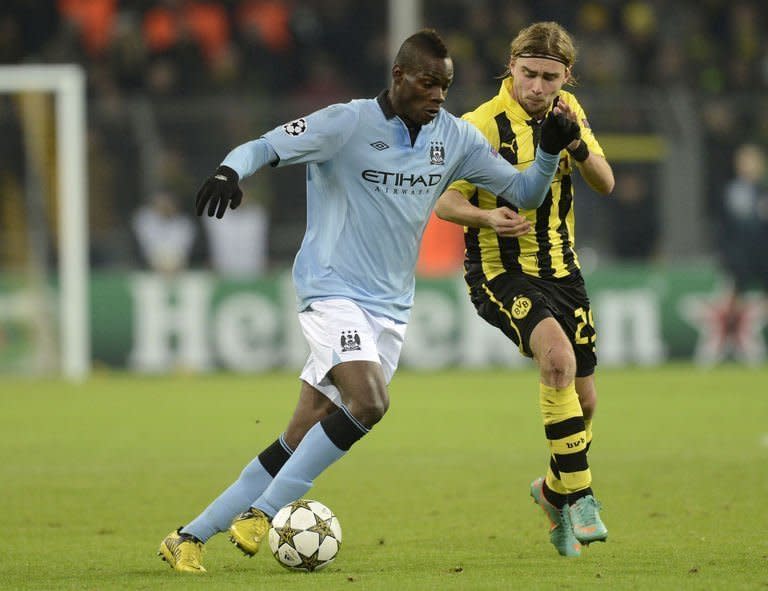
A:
[(248, 529), (182, 552)]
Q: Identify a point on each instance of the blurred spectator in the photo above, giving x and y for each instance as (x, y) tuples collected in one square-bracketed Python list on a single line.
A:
[(165, 236), (184, 36), (324, 85), (266, 43), (722, 133), (25, 29), (633, 225), (734, 318), (93, 20), (744, 238), (640, 22), (171, 22), (238, 243)]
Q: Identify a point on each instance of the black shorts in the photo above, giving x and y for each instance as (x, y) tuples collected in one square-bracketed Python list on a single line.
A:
[(516, 303)]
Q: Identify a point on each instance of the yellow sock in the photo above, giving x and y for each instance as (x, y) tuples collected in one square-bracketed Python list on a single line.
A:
[(565, 429)]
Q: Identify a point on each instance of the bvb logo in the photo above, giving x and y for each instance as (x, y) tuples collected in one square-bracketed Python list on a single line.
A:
[(520, 307)]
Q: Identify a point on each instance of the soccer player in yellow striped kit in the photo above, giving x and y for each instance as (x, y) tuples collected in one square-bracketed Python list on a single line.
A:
[(523, 272)]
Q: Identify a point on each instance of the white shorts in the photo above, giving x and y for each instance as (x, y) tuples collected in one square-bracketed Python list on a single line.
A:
[(338, 330)]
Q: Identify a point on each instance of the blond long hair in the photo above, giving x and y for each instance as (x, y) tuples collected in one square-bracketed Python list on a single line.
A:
[(545, 39)]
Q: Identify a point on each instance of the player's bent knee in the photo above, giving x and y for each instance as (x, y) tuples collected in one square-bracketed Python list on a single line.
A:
[(558, 366), (370, 410)]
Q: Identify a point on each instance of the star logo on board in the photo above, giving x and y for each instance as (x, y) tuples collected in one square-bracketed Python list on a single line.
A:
[(726, 331)]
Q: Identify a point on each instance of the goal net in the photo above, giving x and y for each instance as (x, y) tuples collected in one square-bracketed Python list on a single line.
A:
[(44, 279)]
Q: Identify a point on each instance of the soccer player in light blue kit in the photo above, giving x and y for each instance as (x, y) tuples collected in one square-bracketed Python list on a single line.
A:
[(375, 168)]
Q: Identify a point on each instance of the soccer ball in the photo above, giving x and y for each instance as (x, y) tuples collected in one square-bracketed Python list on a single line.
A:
[(305, 536)]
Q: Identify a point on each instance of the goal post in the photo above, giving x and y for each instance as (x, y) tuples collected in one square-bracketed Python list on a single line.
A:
[(67, 84)]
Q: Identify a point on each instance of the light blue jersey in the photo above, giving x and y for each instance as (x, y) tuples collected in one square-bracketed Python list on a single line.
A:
[(370, 194)]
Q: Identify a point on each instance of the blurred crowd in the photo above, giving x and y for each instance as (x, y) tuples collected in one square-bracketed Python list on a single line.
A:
[(177, 47), (174, 84)]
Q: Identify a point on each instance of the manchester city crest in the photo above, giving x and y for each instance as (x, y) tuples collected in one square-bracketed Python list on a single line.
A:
[(436, 153), (350, 341)]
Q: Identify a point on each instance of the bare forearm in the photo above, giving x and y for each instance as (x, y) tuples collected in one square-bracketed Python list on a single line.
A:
[(506, 222), (452, 207), (597, 173)]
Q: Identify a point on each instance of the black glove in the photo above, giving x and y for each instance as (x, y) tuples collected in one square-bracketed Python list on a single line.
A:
[(218, 191), (557, 132)]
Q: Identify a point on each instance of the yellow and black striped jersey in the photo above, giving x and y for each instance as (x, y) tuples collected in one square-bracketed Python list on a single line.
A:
[(548, 251)]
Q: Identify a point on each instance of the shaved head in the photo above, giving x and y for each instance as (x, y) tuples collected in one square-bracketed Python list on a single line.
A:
[(423, 44)]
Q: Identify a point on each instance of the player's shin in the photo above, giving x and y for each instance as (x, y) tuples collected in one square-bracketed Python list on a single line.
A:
[(565, 431), (555, 491), (252, 482), (325, 443)]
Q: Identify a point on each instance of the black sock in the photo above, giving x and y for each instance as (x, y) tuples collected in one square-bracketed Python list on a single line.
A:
[(343, 429), (554, 498), (579, 494), (273, 457)]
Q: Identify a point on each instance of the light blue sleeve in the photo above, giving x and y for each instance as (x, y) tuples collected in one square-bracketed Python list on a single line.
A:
[(249, 157), (486, 168), (316, 137), (528, 189)]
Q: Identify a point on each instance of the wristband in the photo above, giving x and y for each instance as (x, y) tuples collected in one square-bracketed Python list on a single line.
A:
[(580, 153)]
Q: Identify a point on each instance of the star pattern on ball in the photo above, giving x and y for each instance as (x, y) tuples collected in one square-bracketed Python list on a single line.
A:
[(305, 536), (322, 528), (309, 563), (301, 504), (286, 534)]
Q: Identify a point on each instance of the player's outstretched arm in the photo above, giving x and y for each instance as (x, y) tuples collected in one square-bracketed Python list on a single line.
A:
[(529, 188), (221, 189), (453, 207)]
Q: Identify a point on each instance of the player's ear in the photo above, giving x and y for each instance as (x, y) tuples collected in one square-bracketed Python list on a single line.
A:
[(397, 72), (568, 75), (510, 66)]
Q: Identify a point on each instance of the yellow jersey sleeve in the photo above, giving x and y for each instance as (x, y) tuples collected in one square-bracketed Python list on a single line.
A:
[(586, 131)]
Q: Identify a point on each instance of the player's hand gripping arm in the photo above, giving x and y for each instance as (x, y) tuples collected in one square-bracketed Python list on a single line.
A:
[(559, 129), (453, 207)]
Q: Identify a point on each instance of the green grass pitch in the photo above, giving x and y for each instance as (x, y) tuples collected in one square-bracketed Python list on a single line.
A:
[(93, 476)]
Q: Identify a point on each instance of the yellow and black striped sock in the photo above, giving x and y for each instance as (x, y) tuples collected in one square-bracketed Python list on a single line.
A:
[(568, 471), (554, 491)]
